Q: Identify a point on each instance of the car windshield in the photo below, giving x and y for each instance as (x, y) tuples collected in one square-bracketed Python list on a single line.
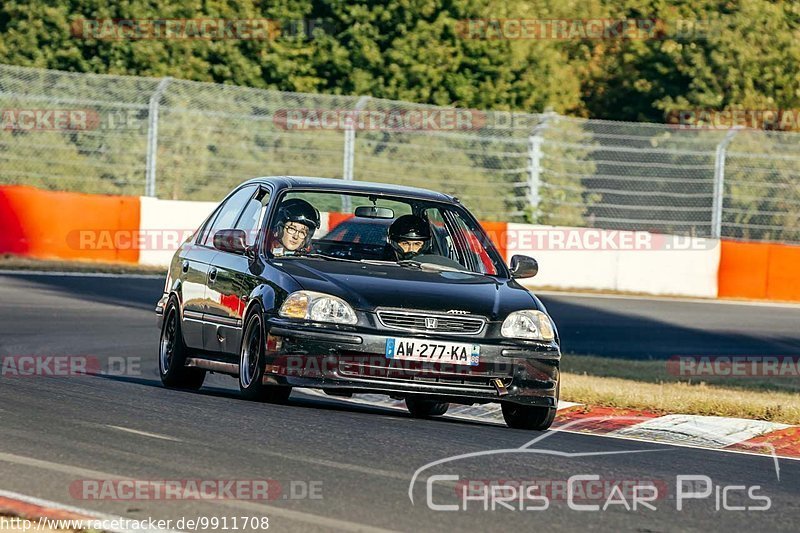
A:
[(426, 235)]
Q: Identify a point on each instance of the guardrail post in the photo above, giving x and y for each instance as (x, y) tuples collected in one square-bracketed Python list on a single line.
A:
[(719, 183), (349, 148), (152, 138), (535, 140)]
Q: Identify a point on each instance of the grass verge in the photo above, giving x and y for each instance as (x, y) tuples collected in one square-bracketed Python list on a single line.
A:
[(646, 385)]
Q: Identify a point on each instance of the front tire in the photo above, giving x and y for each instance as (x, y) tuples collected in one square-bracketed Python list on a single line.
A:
[(425, 408), (251, 364), (172, 353), (528, 416)]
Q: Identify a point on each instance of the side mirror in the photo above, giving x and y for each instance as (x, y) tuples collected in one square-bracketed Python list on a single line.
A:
[(523, 266), (230, 240)]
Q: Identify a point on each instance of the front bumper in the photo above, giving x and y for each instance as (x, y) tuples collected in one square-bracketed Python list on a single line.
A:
[(307, 355), (161, 305)]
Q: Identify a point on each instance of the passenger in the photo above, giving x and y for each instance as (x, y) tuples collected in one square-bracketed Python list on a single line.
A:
[(409, 236), (297, 220)]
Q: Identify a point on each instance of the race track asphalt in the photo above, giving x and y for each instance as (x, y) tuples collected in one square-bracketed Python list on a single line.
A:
[(57, 432)]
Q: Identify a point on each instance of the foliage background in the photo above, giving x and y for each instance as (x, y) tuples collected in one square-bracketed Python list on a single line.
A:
[(744, 54)]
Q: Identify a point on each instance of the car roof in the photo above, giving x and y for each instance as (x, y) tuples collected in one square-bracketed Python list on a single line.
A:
[(364, 187)]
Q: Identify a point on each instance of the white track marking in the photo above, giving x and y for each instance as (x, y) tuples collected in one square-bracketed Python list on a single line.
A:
[(56, 467), (79, 274), (143, 433), (269, 510)]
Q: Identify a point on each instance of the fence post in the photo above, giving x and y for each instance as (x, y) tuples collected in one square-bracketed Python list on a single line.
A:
[(719, 182), (349, 148), (152, 138), (535, 140)]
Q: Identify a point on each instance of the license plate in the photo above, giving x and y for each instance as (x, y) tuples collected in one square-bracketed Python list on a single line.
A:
[(435, 351)]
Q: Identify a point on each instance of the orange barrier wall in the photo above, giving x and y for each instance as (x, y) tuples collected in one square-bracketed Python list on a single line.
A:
[(335, 218), (65, 225), (759, 270), (497, 233)]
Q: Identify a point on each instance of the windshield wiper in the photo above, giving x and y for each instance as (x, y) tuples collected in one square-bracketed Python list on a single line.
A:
[(377, 262), (436, 267)]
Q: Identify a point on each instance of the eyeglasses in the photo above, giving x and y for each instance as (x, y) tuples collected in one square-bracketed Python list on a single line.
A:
[(294, 231)]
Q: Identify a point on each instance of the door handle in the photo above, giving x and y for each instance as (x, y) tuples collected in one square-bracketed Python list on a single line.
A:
[(212, 275), (185, 267)]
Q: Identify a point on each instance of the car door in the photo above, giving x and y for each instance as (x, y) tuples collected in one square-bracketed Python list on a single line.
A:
[(197, 266), (192, 264), (235, 276)]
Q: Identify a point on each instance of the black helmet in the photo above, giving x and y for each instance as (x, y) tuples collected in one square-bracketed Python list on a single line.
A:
[(409, 228), (300, 211)]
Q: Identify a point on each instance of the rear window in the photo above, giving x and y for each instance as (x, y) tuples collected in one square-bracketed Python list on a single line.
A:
[(361, 231)]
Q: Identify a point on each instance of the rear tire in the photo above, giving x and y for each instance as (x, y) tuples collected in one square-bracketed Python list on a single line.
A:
[(172, 353), (251, 364), (425, 408)]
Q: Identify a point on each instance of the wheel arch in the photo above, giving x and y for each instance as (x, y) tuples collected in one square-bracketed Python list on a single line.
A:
[(262, 296)]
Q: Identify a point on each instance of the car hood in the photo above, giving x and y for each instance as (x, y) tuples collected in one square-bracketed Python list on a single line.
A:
[(367, 286)]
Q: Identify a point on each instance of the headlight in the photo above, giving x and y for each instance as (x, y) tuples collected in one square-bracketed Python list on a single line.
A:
[(531, 324), (319, 307)]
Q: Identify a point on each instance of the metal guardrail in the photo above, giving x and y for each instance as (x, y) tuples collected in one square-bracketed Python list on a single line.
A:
[(193, 141)]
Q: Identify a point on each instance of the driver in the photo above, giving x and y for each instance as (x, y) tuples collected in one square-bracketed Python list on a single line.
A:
[(410, 236), (297, 220)]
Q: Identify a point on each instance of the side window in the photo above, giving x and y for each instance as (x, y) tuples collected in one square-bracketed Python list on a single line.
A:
[(228, 213), (476, 258), (443, 241), (253, 214), (457, 240)]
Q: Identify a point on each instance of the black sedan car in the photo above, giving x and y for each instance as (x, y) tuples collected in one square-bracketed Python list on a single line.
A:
[(268, 291)]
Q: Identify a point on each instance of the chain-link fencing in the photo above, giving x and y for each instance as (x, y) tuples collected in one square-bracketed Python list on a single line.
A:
[(186, 140)]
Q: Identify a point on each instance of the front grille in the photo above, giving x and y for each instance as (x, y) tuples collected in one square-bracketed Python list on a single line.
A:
[(478, 379), (426, 322)]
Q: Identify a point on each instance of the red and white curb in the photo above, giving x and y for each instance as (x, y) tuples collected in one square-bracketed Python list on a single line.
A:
[(711, 432), (45, 514)]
